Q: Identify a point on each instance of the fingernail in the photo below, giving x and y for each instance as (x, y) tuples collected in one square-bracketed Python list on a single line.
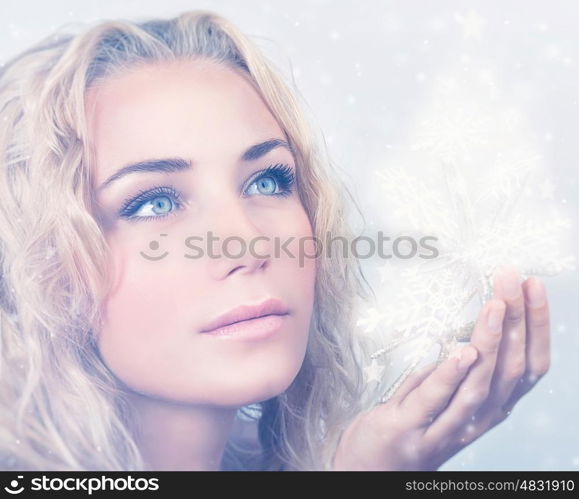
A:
[(509, 282), (467, 356), (455, 354), (536, 293), (495, 317)]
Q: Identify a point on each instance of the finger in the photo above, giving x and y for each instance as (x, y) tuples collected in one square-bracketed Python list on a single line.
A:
[(429, 398), (412, 381), (511, 357), (538, 324), (474, 389), (538, 348)]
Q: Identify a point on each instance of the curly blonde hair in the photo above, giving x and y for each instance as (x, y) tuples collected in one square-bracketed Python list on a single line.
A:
[(61, 408)]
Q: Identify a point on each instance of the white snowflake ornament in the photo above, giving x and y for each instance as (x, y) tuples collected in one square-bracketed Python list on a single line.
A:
[(471, 181)]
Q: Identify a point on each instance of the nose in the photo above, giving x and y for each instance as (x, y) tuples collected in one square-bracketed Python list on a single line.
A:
[(235, 241)]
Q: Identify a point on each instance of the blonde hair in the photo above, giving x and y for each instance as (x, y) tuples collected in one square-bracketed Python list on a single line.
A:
[(60, 406)]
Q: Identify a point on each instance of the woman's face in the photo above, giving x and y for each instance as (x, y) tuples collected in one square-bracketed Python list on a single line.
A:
[(198, 121)]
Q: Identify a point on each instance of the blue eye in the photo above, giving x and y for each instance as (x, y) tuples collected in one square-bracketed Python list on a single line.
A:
[(163, 201), (158, 202), (159, 205), (276, 180), (268, 184)]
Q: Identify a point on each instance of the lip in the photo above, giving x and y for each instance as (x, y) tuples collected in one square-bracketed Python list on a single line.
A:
[(269, 307)]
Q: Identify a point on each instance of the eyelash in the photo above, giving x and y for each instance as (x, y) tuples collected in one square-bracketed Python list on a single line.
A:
[(281, 173)]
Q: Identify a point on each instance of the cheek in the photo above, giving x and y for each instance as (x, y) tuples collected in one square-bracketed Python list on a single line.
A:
[(137, 315), (307, 251), (295, 257), (296, 271)]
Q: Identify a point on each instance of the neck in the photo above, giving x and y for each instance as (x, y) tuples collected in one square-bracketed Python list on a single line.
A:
[(181, 437)]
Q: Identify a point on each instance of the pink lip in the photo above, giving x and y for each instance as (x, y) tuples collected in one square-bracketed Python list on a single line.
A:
[(271, 306)]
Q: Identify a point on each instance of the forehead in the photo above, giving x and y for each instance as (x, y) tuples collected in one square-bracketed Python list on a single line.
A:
[(196, 109)]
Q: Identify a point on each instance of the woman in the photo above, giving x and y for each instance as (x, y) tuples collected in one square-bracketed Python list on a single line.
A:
[(127, 151)]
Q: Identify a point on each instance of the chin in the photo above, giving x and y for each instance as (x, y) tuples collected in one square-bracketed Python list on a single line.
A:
[(251, 388), (225, 383)]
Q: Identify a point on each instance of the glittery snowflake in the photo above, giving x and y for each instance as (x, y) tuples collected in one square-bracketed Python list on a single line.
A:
[(471, 181)]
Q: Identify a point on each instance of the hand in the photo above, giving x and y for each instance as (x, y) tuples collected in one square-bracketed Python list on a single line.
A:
[(439, 410)]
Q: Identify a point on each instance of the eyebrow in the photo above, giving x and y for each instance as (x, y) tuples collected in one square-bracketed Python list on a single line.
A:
[(169, 165)]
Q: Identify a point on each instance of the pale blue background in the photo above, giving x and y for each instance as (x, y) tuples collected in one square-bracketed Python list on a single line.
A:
[(363, 68)]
